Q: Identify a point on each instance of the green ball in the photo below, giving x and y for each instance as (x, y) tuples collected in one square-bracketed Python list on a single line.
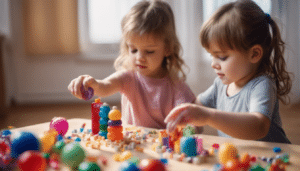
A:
[(72, 154), (59, 145), (89, 166)]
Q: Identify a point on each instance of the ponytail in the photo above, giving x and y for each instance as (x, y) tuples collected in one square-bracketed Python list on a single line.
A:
[(276, 66)]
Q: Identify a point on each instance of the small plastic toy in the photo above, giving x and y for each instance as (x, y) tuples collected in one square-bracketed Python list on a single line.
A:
[(89, 166), (87, 94), (188, 146), (277, 149), (60, 124), (48, 140), (95, 109), (115, 132), (32, 161), (114, 114), (72, 155), (227, 152), (128, 166), (23, 141), (151, 165), (104, 110), (57, 148)]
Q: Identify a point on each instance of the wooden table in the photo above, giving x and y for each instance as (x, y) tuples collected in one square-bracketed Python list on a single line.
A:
[(252, 147)]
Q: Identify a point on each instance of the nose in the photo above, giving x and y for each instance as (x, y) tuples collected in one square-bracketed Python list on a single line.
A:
[(215, 64), (140, 56)]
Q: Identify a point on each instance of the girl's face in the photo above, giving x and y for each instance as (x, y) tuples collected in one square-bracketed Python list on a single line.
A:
[(147, 54), (231, 66)]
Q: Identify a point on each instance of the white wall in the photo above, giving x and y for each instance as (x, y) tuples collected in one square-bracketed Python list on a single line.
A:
[(42, 79)]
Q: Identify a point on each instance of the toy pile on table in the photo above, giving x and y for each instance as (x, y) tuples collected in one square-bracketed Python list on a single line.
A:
[(182, 146), (29, 153)]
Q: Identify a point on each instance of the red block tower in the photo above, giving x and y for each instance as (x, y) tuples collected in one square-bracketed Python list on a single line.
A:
[(95, 109)]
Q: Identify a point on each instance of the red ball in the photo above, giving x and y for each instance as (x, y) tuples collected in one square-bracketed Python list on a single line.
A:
[(152, 165), (31, 161)]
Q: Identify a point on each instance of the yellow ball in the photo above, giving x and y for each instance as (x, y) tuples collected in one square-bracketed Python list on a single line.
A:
[(48, 140), (227, 152), (114, 114)]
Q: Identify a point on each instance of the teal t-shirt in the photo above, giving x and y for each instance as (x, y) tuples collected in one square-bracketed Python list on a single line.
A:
[(258, 95)]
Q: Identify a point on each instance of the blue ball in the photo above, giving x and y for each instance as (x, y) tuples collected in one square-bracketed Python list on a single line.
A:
[(103, 134), (23, 141), (6, 132), (104, 110), (188, 146), (103, 121), (128, 166)]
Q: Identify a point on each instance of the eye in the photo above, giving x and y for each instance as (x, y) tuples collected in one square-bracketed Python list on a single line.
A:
[(150, 52), (133, 50), (222, 58)]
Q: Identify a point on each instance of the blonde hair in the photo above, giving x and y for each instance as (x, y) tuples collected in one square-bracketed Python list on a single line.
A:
[(155, 18), (242, 24)]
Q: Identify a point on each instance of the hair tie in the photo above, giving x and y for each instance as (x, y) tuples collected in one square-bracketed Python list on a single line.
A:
[(269, 19)]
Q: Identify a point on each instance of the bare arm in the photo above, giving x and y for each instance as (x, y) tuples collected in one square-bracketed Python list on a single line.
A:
[(249, 126), (102, 88)]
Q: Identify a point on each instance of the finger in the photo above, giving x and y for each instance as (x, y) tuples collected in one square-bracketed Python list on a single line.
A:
[(179, 121), (168, 127), (70, 87), (77, 86), (87, 81), (174, 113)]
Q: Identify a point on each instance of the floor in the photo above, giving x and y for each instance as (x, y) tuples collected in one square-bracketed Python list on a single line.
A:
[(20, 116)]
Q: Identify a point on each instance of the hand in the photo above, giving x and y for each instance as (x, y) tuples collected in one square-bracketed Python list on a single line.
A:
[(76, 84), (187, 114)]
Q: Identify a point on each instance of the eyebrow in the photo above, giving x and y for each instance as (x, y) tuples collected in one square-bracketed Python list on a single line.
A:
[(145, 46), (219, 51)]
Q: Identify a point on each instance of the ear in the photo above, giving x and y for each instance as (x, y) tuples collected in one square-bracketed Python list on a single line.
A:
[(167, 52), (256, 53)]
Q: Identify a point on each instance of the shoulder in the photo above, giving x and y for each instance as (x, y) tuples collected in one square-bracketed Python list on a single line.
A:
[(262, 82), (125, 74), (179, 84), (183, 93)]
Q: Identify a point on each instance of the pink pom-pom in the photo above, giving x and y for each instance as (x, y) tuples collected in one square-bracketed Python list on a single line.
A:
[(60, 124)]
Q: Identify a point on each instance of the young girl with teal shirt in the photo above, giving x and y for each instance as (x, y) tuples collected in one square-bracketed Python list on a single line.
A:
[(248, 57)]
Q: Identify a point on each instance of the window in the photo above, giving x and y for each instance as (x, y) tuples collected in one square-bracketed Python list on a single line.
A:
[(100, 26)]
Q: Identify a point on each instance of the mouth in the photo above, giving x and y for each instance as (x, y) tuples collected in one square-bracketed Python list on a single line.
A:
[(141, 66), (220, 75)]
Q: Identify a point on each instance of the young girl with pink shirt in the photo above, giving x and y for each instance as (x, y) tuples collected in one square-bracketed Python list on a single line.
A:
[(149, 72)]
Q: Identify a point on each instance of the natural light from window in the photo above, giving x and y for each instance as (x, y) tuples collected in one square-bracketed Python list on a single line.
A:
[(105, 19)]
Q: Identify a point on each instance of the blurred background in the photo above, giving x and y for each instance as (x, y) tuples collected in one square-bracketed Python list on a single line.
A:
[(46, 44)]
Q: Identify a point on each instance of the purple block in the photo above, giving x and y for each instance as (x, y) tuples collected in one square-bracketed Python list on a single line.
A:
[(165, 141), (114, 123)]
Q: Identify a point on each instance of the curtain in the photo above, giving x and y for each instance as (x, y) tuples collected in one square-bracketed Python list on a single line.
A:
[(50, 27), (188, 20), (286, 14)]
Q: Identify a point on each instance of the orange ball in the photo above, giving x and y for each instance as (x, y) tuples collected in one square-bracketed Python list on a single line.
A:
[(227, 152), (114, 114)]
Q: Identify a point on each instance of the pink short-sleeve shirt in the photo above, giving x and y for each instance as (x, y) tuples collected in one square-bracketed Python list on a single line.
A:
[(147, 101)]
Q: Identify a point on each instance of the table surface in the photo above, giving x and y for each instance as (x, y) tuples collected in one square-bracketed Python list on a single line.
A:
[(256, 148)]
